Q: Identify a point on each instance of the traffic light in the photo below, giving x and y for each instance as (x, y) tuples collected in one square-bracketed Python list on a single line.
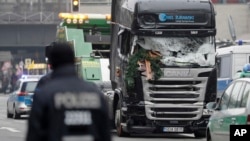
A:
[(75, 5)]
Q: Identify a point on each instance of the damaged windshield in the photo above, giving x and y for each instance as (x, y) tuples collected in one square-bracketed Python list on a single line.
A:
[(182, 51)]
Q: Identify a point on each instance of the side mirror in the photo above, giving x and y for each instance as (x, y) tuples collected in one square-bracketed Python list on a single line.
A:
[(211, 105)]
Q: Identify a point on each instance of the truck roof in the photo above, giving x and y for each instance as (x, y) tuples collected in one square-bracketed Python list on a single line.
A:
[(234, 49), (150, 5)]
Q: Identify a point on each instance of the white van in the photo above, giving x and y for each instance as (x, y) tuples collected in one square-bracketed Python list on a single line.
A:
[(230, 61)]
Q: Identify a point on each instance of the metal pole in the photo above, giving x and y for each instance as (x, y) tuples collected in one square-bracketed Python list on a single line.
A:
[(67, 5), (47, 65), (31, 5)]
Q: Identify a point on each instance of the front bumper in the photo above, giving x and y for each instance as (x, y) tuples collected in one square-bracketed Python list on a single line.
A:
[(22, 109), (158, 126)]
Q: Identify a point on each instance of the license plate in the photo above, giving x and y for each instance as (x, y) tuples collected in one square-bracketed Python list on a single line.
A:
[(173, 129)]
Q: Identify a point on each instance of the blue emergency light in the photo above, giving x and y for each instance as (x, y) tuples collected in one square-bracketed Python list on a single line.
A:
[(246, 68)]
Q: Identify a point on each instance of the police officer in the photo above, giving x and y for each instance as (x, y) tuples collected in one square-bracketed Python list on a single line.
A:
[(67, 108)]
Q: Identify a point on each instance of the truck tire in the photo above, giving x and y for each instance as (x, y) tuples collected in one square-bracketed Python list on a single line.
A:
[(118, 121), (208, 136), (200, 134), (104, 85)]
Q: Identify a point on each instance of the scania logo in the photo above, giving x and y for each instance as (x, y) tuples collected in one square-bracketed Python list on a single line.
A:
[(177, 73)]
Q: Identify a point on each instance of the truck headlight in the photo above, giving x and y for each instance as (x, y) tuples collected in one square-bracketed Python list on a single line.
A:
[(147, 21)]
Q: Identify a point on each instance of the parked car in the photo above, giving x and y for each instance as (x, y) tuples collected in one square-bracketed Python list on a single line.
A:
[(232, 108), (20, 100)]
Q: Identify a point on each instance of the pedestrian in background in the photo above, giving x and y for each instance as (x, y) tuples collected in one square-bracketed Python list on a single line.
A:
[(67, 108)]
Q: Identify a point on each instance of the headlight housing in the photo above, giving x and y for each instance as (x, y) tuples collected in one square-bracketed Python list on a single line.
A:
[(147, 21)]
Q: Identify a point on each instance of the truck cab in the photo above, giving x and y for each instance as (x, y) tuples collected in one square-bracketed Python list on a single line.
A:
[(162, 66)]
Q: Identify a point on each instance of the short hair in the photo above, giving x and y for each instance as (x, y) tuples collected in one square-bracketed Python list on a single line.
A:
[(60, 54)]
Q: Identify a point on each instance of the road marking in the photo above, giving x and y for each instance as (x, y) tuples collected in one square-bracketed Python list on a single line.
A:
[(9, 129)]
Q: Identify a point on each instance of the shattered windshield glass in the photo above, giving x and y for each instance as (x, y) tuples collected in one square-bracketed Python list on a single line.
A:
[(182, 51)]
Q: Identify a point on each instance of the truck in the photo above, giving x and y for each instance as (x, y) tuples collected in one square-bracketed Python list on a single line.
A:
[(89, 35), (231, 61), (162, 66)]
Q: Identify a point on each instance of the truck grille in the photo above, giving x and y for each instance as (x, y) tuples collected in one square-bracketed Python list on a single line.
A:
[(174, 109), (175, 98), (175, 91)]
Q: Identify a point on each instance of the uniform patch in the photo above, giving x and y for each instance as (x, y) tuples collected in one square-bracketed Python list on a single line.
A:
[(77, 100), (78, 138), (77, 118)]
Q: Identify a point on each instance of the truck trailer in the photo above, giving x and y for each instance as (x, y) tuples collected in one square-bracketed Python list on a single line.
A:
[(230, 62), (162, 66)]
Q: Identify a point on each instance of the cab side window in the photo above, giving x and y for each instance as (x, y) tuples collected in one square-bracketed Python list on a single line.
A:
[(245, 96), (235, 93), (225, 98)]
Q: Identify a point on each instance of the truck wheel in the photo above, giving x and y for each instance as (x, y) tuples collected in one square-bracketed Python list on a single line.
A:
[(118, 118), (104, 85), (199, 134), (208, 136)]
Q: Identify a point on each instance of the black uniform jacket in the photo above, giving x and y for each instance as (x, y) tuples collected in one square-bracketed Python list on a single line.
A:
[(68, 107), (43, 80)]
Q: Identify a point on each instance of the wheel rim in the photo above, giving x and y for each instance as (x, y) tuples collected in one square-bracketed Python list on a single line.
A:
[(116, 118), (118, 121)]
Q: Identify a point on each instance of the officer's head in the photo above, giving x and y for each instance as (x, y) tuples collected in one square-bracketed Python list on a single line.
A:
[(48, 48), (60, 54)]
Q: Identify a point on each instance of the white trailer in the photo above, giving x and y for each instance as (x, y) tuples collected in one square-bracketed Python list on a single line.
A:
[(230, 61)]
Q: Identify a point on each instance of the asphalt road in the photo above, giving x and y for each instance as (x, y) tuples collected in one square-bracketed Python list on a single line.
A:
[(10, 130), (15, 130)]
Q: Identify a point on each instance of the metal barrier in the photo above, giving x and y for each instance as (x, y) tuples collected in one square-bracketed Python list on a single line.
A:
[(32, 11), (29, 17)]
